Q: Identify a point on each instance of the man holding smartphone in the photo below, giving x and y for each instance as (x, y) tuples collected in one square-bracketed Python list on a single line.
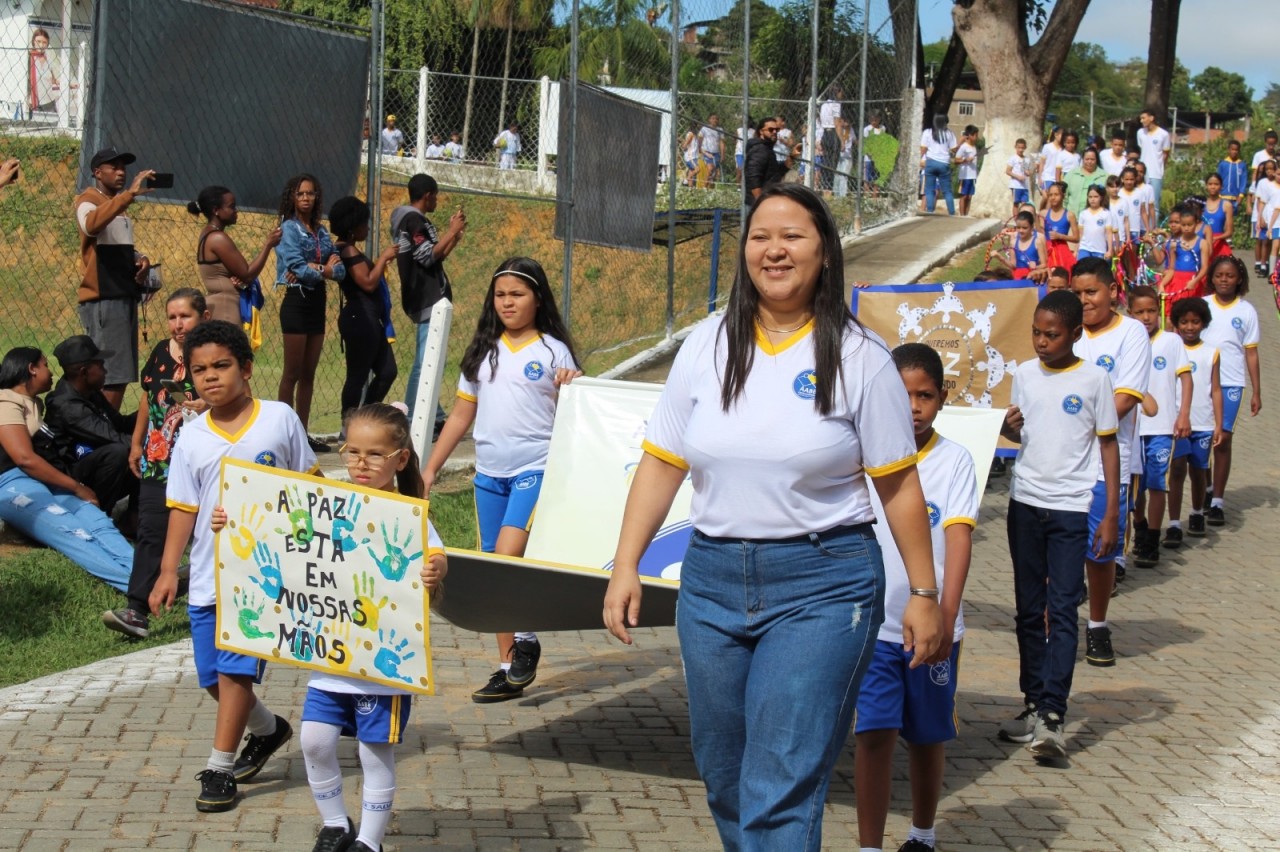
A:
[(111, 271)]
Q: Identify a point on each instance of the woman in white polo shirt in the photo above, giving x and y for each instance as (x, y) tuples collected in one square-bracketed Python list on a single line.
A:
[(779, 410), (937, 147)]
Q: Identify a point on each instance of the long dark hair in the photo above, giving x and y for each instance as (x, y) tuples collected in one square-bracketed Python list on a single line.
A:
[(940, 127), (489, 327), (287, 207), (16, 366), (396, 422), (832, 318)]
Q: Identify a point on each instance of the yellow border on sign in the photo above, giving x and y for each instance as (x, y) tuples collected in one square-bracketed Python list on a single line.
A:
[(321, 482)]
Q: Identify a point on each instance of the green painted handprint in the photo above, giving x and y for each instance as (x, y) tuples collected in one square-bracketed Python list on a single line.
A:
[(395, 562), (301, 526), (248, 615)]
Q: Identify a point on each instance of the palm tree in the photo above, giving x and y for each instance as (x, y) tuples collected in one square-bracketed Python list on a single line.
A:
[(617, 32), (523, 15)]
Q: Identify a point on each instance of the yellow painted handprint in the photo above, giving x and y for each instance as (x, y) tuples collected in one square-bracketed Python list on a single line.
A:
[(245, 537), (340, 658), (364, 599)]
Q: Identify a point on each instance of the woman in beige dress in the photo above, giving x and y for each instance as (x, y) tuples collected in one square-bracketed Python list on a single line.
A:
[(220, 265)]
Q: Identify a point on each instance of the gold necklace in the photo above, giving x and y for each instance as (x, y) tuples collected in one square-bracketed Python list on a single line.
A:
[(783, 330)]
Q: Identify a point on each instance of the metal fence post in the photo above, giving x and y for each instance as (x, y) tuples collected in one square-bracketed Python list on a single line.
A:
[(373, 171), (810, 135), (859, 168), (544, 110), (424, 81), (564, 164), (671, 170)]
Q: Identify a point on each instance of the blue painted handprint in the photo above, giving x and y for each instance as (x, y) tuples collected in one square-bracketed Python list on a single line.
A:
[(395, 562), (343, 527), (271, 580), (391, 655), (303, 645)]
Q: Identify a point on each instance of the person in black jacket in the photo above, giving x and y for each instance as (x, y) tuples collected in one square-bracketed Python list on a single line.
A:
[(760, 167), (91, 435), (421, 251)]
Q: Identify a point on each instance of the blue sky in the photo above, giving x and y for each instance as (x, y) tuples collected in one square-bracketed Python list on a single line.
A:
[(1205, 27)]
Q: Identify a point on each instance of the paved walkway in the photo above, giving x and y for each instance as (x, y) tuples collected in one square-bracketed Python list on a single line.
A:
[(1174, 748)]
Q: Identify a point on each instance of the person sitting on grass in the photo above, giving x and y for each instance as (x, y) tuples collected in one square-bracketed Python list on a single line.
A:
[(37, 498)]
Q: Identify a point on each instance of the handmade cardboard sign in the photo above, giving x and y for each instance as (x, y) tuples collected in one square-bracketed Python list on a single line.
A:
[(324, 575)]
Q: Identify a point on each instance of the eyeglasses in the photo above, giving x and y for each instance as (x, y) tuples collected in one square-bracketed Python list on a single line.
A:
[(373, 461)]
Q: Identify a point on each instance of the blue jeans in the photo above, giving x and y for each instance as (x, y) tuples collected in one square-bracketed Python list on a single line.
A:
[(775, 638), (937, 175), (1048, 550), (1157, 184), (78, 530), (415, 375)]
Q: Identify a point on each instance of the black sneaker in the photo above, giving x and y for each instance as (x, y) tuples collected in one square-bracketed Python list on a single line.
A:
[(1020, 728), (130, 622), (524, 662), (998, 467), (217, 792), (497, 689), (361, 846), (914, 845), (335, 839), (317, 446), (257, 750), (1049, 741), (1195, 525), (1146, 548), (1098, 647), (1216, 517), (1173, 537)]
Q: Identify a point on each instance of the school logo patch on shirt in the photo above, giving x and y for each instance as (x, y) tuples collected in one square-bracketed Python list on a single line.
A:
[(1072, 403), (935, 514), (1237, 323), (265, 457), (806, 384), (534, 371), (1159, 363), (1106, 362), (1193, 367)]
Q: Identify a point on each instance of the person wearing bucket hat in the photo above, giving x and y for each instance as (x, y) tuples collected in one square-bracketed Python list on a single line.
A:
[(88, 431), (111, 271), (392, 137)]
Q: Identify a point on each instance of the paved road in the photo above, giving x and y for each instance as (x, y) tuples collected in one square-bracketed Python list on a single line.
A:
[(1174, 748)]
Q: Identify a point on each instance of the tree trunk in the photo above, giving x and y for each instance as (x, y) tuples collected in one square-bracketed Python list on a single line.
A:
[(1016, 80), (947, 80), (1162, 53), (471, 86), (906, 35), (506, 73)]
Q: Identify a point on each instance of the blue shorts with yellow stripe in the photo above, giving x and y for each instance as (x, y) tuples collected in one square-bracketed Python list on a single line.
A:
[(920, 703), (505, 501), (368, 718)]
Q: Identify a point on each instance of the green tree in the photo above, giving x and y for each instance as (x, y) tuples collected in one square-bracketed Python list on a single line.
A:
[(1222, 91), (614, 37)]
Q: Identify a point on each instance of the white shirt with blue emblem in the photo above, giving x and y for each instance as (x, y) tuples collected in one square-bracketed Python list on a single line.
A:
[(1123, 349), (1168, 363), (1064, 413), (772, 467), (516, 405), (1202, 357), (951, 496), (1233, 329), (273, 436)]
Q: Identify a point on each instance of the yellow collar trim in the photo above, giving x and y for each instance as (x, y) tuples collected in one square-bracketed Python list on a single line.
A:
[(513, 348), (227, 436), (771, 348)]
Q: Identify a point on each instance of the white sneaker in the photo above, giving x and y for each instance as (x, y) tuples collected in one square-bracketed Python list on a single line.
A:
[(1020, 728), (1048, 741)]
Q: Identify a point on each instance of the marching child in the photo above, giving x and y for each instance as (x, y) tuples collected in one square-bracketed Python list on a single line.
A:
[(1219, 215), (378, 454), (1119, 345), (1017, 169), (1190, 318), (1186, 258), (1233, 173), (168, 398), (1234, 331), (1059, 279), (966, 158), (1059, 227), (1170, 387), (1064, 418), (512, 371), (1097, 226), (237, 425), (1132, 203), (1027, 248), (894, 698), (1264, 194)]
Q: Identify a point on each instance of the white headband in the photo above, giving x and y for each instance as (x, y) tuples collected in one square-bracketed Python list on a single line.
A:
[(518, 274)]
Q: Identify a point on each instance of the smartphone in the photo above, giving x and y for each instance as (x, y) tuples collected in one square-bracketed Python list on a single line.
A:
[(175, 388), (161, 180)]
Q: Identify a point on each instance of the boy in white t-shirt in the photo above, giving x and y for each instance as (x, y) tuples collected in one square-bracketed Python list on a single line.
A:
[(1113, 160), (1120, 346), (967, 166), (1064, 418), (894, 698), (1017, 169), (1190, 317), (237, 426), (1170, 387)]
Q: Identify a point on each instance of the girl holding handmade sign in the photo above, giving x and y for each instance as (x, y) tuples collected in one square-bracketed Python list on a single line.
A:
[(378, 454), (511, 376)]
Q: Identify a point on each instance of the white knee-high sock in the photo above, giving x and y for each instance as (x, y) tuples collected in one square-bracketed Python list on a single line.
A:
[(378, 760), (262, 722), (320, 751)]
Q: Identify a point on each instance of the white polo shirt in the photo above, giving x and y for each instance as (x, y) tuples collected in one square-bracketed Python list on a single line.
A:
[(1234, 329), (1168, 363), (1112, 164), (1064, 411), (1202, 357), (1153, 146), (772, 466), (516, 405), (1123, 350), (273, 436), (951, 496)]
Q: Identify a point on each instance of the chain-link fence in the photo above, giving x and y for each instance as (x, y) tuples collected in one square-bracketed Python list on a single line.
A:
[(450, 123)]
